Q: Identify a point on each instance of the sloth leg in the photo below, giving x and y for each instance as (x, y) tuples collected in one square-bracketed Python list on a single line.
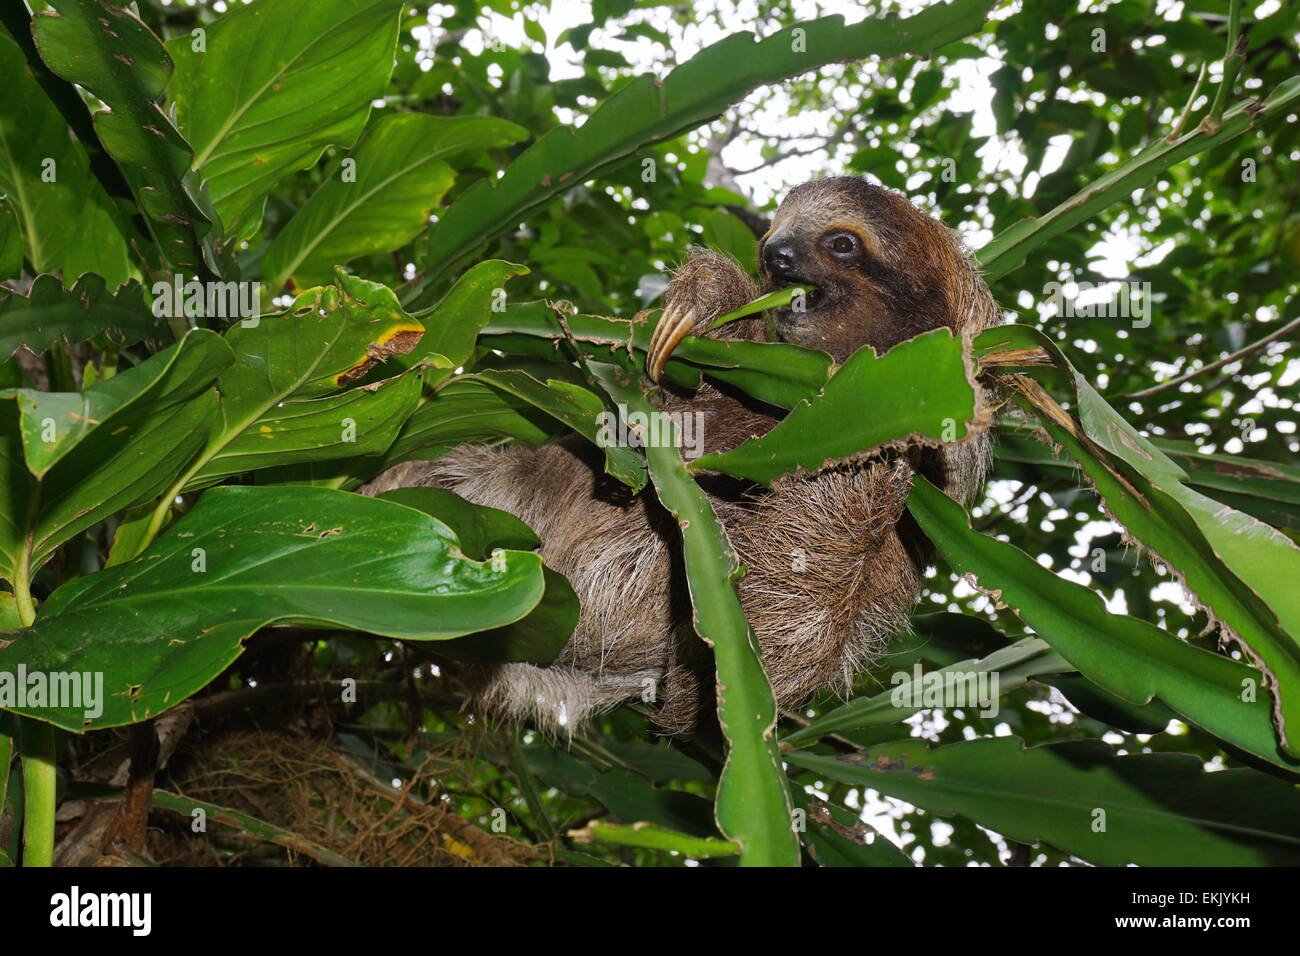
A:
[(615, 553), (829, 580), (557, 700)]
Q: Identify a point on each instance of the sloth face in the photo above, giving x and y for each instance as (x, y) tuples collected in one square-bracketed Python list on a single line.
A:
[(880, 266)]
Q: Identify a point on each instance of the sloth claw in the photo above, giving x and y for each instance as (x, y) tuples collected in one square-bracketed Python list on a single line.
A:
[(674, 325)]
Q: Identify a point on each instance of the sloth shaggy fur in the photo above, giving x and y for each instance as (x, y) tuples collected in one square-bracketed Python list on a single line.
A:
[(834, 561)]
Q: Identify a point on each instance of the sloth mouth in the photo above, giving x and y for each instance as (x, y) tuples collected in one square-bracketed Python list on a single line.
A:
[(814, 298)]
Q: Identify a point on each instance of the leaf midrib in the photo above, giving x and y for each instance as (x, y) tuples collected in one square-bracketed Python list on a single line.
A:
[(349, 207), (224, 131)]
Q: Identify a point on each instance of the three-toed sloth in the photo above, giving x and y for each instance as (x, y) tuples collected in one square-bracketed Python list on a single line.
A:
[(834, 563)]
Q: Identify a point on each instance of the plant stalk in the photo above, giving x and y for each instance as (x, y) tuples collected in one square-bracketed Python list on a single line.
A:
[(36, 742), (36, 749), (1233, 58)]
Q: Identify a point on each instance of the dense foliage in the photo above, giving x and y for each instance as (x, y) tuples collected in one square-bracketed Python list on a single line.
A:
[(253, 256)]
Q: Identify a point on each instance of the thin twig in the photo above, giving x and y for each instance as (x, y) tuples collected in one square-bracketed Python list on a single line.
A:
[(1177, 131), (1240, 354)]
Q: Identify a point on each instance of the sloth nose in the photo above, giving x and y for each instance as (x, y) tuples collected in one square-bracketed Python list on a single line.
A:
[(779, 258)]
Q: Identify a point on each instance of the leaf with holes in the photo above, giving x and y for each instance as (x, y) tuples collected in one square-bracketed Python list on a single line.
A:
[(162, 626)]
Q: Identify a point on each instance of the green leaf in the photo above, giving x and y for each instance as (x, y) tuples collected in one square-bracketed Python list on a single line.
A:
[(481, 530), (753, 803), (97, 452), (1014, 666), (162, 626), (1238, 568), (627, 795), (727, 233), (453, 325), (646, 110), (11, 242), (919, 388), (1267, 490), (282, 400), (360, 421), (1010, 247), (107, 50), (401, 171), (579, 409), (466, 411), (651, 837), (50, 312), (64, 219), (537, 638), (1125, 655), (1157, 809), (272, 88), (772, 300)]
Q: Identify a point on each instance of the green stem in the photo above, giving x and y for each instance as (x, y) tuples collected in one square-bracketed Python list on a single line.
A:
[(1177, 131), (36, 740), (652, 837), (36, 746), (1234, 56)]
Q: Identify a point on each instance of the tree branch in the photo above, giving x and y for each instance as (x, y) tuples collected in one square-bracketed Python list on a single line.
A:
[(1239, 355)]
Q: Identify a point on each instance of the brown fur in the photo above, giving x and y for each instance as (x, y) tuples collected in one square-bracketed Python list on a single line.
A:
[(834, 565)]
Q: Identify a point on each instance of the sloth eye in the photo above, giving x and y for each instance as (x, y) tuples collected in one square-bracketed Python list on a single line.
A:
[(843, 243)]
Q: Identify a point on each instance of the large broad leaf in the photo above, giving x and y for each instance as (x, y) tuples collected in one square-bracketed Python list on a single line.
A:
[(282, 401), (63, 217), (921, 388), (162, 626), (1010, 247), (481, 530), (97, 452), (647, 110), (49, 312), (753, 803), (1124, 655), (1268, 490), (272, 87), (1241, 570), (460, 411), (399, 173), (453, 325), (107, 50), (1152, 809)]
